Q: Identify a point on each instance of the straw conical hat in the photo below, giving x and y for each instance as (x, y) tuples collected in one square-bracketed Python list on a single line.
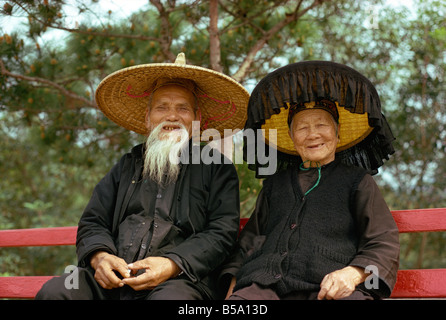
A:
[(123, 96)]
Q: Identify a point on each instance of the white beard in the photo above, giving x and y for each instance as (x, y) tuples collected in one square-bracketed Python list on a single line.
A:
[(161, 158)]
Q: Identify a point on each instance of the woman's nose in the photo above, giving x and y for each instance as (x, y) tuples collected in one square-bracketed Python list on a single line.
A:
[(313, 133)]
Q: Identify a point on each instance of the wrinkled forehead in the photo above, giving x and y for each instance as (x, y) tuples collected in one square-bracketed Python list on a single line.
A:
[(173, 90), (172, 93), (313, 115)]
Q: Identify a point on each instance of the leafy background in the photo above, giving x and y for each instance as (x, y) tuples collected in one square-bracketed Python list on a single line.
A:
[(55, 145)]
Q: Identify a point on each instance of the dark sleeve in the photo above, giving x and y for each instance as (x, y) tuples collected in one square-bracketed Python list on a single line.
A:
[(207, 249), (251, 238), (95, 225), (379, 238)]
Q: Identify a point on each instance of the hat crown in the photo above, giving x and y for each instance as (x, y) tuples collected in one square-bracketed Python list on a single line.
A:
[(181, 59)]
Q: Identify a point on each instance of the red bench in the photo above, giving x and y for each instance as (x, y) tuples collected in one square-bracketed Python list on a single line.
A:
[(417, 283)]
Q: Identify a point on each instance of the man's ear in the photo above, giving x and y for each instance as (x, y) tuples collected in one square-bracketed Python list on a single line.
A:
[(147, 118), (198, 114)]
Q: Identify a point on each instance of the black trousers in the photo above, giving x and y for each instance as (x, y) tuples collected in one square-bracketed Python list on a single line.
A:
[(257, 292), (86, 288)]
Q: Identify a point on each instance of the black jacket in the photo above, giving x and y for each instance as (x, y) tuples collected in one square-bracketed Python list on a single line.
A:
[(293, 240), (206, 195)]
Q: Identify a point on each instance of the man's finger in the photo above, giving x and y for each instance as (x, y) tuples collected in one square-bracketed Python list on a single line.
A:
[(107, 279), (137, 265), (109, 272), (123, 270), (141, 282)]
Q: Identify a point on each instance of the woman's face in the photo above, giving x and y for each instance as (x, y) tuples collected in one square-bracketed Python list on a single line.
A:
[(314, 134)]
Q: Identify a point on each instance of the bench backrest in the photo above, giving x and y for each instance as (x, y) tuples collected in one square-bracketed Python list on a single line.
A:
[(420, 283), (417, 283)]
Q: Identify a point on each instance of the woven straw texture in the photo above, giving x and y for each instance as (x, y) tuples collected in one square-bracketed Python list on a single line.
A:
[(353, 128), (123, 96), (366, 138)]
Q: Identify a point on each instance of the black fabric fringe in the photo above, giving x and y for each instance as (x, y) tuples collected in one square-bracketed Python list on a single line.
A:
[(312, 80)]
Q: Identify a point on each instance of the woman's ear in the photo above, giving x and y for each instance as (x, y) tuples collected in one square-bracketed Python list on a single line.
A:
[(338, 129), (290, 134)]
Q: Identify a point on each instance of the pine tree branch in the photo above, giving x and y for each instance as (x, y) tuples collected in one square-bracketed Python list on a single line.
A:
[(88, 31), (47, 82), (241, 73), (166, 30)]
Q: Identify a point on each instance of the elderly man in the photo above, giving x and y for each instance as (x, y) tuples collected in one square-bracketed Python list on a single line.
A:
[(155, 228), (321, 228)]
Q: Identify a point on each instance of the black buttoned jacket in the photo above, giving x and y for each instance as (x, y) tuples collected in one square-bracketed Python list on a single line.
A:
[(206, 201)]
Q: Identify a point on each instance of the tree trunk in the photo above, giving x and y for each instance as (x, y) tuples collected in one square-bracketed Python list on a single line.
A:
[(214, 37)]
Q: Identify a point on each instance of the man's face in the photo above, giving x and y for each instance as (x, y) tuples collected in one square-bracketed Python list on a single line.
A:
[(314, 135), (170, 105)]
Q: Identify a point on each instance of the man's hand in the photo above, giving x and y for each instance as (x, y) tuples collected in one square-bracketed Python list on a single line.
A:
[(157, 270), (341, 283), (105, 265)]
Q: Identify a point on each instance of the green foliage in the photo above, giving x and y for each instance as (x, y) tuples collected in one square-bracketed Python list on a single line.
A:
[(249, 189)]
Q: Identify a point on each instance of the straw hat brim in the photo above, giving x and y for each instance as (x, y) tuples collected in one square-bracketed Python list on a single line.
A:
[(123, 96)]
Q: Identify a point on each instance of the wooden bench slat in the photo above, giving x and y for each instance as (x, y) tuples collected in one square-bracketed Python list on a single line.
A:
[(58, 236), (22, 287), (417, 220), (420, 220), (420, 283), (417, 283)]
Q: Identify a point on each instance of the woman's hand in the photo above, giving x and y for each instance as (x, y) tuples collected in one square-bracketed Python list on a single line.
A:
[(341, 283)]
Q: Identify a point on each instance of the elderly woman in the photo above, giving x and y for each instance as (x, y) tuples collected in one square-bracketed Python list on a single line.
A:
[(321, 228)]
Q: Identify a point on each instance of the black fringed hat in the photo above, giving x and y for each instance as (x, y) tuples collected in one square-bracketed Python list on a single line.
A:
[(365, 136)]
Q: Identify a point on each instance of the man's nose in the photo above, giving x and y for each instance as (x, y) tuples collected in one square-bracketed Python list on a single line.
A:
[(172, 115)]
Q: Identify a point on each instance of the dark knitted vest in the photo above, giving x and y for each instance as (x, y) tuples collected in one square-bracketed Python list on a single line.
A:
[(307, 237)]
